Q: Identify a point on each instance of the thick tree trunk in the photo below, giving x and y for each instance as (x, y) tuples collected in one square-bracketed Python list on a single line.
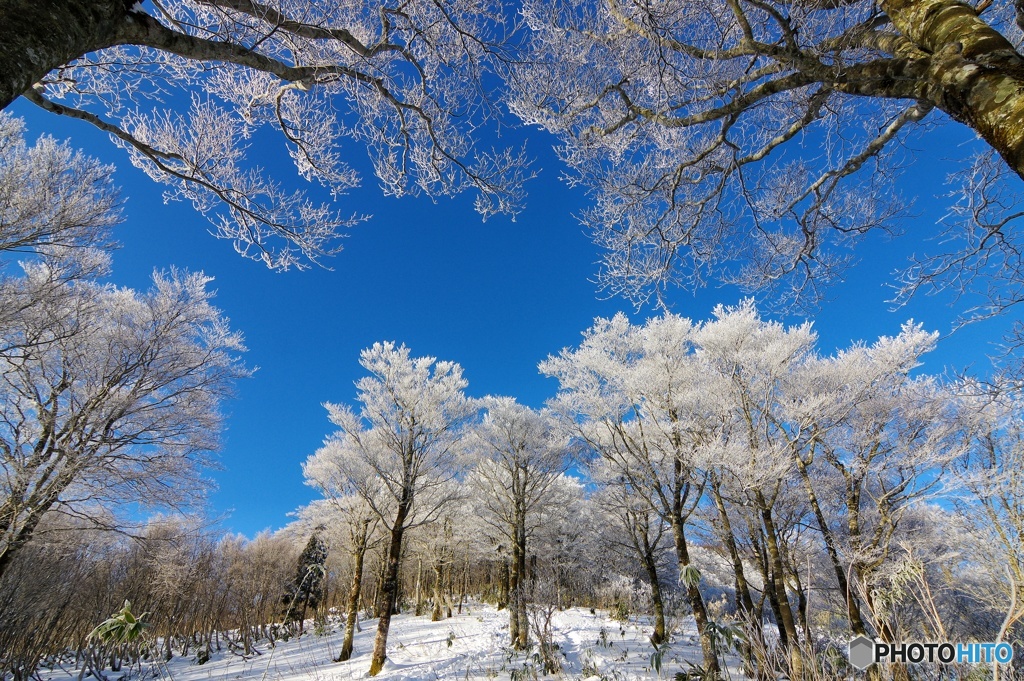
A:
[(25, 533), (696, 601), (514, 594), (37, 36), (389, 587), (975, 74), (519, 628)]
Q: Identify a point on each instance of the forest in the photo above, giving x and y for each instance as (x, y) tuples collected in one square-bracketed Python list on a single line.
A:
[(725, 472)]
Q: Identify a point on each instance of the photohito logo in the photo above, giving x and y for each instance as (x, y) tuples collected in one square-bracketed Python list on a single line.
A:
[(863, 652)]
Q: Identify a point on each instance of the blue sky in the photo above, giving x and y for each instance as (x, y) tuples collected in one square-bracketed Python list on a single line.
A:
[(497, 297)]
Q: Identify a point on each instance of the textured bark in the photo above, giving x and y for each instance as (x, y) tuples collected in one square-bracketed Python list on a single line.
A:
[(519, 628), (778, 586), (696, 601), (27, 530), (976, 76), (37, 36), (358, 554), (435, 613), (658, 602), (503, 579), (389, 587)]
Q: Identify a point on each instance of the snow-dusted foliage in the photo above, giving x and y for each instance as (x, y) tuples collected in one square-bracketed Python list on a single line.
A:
[(403, 442), (991, 474), (788, 456), (755, 142), (53, 200), (188, 88), (399, 452), (518, 456), (108, 397), (722, 470)]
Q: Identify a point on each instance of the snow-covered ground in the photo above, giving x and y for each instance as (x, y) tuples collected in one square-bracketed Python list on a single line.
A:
[(474, 645)]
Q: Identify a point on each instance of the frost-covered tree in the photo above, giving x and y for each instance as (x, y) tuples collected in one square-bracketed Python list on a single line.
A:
[(737, 422), (443, 546), (750, 362), (52, 198), (633, 528), (754, 140), (56, 205), (109, 397), (520, 453), (565, 564), (638, 397), (354, 527), (184, 85), (399, 452), (991, 472), (256, 573), (874, 442)]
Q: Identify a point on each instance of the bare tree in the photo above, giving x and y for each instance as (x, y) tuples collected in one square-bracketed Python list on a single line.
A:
[(521, 455), (752, 140), (636, 395), (404, 79), (109, 397), (51, 198), (57, 205), (399, 452)]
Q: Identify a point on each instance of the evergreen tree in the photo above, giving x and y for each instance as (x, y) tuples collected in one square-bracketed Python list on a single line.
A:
[(307, 591)]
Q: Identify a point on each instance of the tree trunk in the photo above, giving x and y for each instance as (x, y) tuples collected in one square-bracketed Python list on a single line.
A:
[(389, 586), (419, 587), (744, 603), (353, 602), (519, 627), (852, 606), (778, 586), (503, 579), (638, 526), (28, 528), (464, 585), (37, 36), (696, 601), (435, 612), (975, 75), (651, 567), (378, 592)]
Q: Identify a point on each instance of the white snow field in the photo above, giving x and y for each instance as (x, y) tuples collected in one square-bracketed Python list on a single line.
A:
[(473, 645)]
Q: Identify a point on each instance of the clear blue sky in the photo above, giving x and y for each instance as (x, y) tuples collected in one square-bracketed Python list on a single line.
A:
[(497, 297)]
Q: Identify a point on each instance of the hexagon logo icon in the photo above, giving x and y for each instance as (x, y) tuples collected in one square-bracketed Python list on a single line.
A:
[(862, 652)]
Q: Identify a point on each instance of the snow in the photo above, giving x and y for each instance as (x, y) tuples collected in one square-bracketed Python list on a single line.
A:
[(474, 645)]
